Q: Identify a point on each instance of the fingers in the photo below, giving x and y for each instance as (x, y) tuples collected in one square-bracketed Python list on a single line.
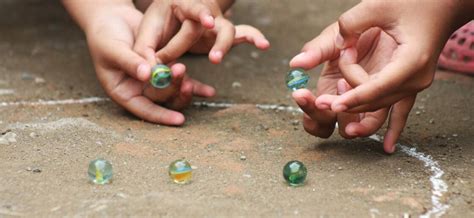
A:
[(345, 118), (360, 18), (202, 90), (150, 32), (318, 50), (184, 97), (318, 123), (385, 83), (147, 110), (121, 55), (189, 33), (398, 118), (189, 88), (128, 94), (225, 37), (196, 11), (250, 34), (353, 73), (368, 125)]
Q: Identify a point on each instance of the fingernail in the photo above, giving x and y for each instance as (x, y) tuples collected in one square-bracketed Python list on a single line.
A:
[(351, 132), (264, 43), (392, 149), (339, 41), (142, 71), (299, 56), (323, 106), (342, 53), (217, 54), (210, 20), (341, 89), (179, 119), (340, 108)]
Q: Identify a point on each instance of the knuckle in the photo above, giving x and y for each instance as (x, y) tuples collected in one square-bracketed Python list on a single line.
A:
[(344, 22)]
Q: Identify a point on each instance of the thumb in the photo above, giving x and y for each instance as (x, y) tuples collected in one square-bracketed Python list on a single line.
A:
[(360, 18)]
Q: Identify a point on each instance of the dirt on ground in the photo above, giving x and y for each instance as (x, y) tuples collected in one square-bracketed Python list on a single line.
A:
[(237, 152)]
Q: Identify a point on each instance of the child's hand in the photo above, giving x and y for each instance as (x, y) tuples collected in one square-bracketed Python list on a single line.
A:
[(375, 49), (420, 29), (172, 27), (125, 74)]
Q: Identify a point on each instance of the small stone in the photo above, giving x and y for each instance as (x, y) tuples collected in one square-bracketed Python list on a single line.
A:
[(455, 135), (243, 157), (417, 112), (121, 195), (33, 135), (340, 168), (39, 80), (27, 76), (295, 122), (236, 85), (8, 138), (431, 121), (36, 170), (247, 175), (55, 208), (254, 55)]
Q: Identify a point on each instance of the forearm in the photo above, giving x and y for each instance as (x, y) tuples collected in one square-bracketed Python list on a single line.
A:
[(83, 12)]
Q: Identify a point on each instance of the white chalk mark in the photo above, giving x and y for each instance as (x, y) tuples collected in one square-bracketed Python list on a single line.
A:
[(54, 102), (274, 107), (7, 91), (439, 186)]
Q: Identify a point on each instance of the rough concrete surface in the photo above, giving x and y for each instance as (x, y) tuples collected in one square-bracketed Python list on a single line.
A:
[(45, 149)]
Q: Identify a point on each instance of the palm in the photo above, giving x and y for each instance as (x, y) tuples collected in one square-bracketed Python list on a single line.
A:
[(120, 31), (375, 50)]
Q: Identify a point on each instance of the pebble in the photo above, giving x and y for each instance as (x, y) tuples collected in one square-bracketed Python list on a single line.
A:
[(254, 55), (455, 135), (431, 121), (27, 76), (295, 122), (33, 135), (33, 169), (9, 137), (417, 112), (236, 85), (340, 168), (39, 80), (243, 157)]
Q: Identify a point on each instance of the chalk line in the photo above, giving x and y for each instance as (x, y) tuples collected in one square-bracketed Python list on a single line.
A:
[(439, 186), (54, 102)]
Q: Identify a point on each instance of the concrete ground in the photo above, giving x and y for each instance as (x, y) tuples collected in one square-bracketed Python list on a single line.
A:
[(45, 148)]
